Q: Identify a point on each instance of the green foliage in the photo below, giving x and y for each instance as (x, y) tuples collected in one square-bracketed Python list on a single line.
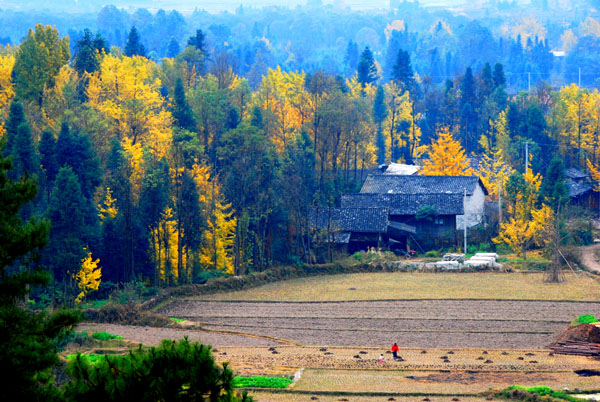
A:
[(177, 319), (28, 340), (367, 71), (174, 371), (105, 336), (539, 390), (261, 382), (584, 319), (432, 254), (358, 256), (39, 59), (134, 46), (90, 358)]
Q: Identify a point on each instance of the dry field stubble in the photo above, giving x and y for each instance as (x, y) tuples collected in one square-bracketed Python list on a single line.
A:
[(407, 286), (263, 396)]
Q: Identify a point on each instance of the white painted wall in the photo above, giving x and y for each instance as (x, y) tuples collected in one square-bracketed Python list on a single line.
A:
[(474, 209)]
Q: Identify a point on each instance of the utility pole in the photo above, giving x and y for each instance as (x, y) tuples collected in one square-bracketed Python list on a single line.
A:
[(526, 158), (465, 220), (499, 204)]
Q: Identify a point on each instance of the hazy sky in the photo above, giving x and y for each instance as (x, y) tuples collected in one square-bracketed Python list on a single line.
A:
[(230, 5)]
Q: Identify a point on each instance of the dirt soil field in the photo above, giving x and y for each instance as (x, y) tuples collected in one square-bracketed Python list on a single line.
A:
[(426, 323), (422, 286)]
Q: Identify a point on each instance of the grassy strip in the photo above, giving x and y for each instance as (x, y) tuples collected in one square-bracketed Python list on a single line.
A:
[(516, 391), (261, 382), (177, 319), (92, 358), (105, 336)]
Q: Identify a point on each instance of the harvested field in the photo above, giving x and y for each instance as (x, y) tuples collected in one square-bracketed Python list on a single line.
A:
[(406, 286), (434, 382), (263, 396), (423, 323), (153, 336), (288, 358)]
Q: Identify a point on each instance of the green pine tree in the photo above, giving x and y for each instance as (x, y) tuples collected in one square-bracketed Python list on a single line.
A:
[(379, 114), (134, 46), (367, 70), (28, 340)]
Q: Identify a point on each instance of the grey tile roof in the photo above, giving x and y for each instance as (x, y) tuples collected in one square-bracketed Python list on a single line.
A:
[(391, 184), (365, 220), (406, 204), (575, 174), (578, 189)]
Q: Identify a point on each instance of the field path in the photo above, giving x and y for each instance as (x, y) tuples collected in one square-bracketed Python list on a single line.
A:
[(589, 259)]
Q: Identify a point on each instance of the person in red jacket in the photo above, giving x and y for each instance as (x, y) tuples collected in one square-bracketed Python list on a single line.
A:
[(395, 350)]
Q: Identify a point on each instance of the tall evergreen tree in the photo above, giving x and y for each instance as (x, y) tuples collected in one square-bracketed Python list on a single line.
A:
[(49, 164), (87, 52), (173, 48), (68, 236), (134, 46), (25, 158), (379, 114), (554, 190), (198, 41), (499, 78), (182, 113), (367, 71), (16, 117), (402, 72), (351, 56), (76, 150), (28, 340)]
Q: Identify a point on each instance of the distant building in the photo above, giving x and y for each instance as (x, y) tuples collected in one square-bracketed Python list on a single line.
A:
[(581, 189), (402, 212)]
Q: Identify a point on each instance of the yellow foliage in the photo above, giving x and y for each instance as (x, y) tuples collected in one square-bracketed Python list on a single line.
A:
[(7, 91), (401, 108), (108, 209), (542, 222), (447, 158), (494, 172), (127, 91), (164, 248), (595, 174), (568, 40), (89, 276), (590, 27), (283, 97), (516, 233), (357, 90), (529, 27), (217, 248), (55, 103)]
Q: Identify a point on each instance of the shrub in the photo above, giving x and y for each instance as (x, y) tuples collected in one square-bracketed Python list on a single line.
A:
[(91, 358), (432, 254), (587, 319), (525, 394), (174, 371), (177, 319), (105, 336), (128, 314), (358, 256), (261, 382)]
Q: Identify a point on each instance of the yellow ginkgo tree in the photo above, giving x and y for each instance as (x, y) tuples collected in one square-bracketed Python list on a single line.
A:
[(89, 276), (494, 173), (447, 157)]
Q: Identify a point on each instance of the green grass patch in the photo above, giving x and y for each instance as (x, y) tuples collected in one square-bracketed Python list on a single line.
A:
[(91, 358), (94, 303), (584, 319), (541, 391), (261, 382), (177, 319), (105, 336)]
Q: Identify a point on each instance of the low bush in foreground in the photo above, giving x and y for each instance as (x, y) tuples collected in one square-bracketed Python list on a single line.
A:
[(261, 382), (535, 394), (91, 358), (174, 371)]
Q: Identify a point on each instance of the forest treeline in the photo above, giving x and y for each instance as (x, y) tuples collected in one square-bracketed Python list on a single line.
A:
[(163, 171), (548, 40)]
